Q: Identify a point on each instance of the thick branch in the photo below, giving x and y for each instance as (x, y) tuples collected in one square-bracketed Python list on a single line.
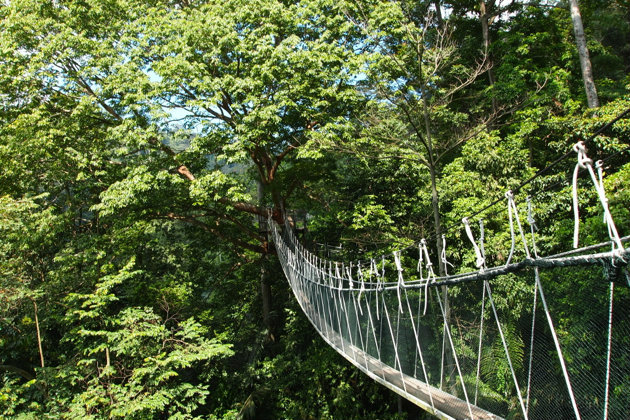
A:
[(24, 374), (185, 172), (251, 233), (218, 115), (296, 143), (93, 94), (259, 167), (245, 207), (216, 232)]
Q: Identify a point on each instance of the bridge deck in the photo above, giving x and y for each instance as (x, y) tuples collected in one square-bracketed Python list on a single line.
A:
[(445, 405), (429, 398)]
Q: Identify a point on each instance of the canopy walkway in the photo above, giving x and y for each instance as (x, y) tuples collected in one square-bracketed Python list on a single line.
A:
[(521, 340)]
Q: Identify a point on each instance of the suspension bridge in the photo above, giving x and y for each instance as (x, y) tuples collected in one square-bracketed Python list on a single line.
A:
[(522, 340)]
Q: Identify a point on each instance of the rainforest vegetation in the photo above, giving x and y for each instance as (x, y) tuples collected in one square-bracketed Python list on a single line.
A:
[(144, 143)]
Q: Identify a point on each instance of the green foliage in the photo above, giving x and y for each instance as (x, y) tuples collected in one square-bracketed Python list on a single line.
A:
[(134, 135), (136, 368), (335, 388)]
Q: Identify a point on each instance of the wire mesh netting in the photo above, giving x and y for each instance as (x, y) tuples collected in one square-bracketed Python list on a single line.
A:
[(533, 343)]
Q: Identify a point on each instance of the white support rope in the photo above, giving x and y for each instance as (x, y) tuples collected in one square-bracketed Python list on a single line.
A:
[(585, 162), (338, 316), (483, 304), (450, 340), (397, 339), (420, 261), (445, 262), (362, 287), (326, 321), (479, 263), (513, 214), (429, 264), (482, 251), (395, 345), (345, 312), (444, 327), (401, 280), (609, 348), (611, 233), (358, 324), (371, 322), (532, 226), (419, 351), (558, 349), (379, 287), (505, 347), (531, 346), (430, 274)]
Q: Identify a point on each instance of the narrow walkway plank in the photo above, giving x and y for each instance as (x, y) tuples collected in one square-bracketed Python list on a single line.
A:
[(445, 406)]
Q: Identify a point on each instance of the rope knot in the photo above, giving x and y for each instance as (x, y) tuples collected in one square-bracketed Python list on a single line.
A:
[(530, 213), (598, 182), (583, 160), (397, 261), (445, 262), (401, 281), (428, 264), (513, 214), (480, 259)]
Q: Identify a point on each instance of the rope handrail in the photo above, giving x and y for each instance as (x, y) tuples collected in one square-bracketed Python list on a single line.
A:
[(558, 260)]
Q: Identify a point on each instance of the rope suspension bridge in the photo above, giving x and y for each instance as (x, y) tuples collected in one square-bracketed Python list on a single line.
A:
[(495, 343)]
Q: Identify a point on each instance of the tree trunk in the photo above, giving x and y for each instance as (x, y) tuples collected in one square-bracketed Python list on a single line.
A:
[(484, 17), (437, 220), (447, 376), (438, 13), (39, 336), (585, 61), (265, 287), (435, 198), (265, 291)]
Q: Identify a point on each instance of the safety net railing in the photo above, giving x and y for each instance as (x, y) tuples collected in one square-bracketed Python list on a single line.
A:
[(544, 337)]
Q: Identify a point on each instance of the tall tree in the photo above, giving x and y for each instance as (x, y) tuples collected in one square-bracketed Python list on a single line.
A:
[(252, 93), (147, 126), (417, 72), (585, 60)]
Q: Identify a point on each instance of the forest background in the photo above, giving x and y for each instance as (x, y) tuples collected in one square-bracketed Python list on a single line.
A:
[(141, 143)]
